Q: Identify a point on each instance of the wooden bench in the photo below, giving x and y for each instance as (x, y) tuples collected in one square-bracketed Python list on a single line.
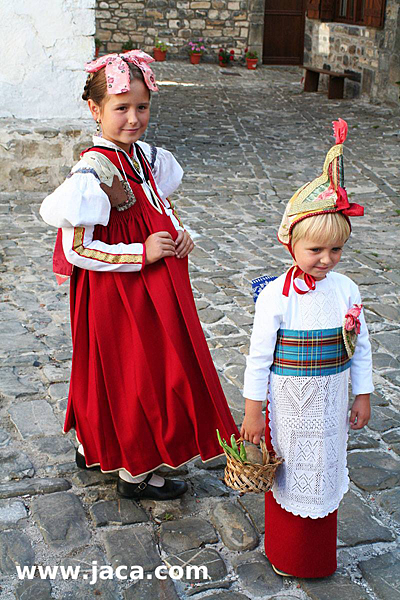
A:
[(336, 81)]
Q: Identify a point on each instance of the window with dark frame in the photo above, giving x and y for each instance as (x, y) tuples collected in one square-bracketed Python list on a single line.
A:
[(355, 12), (350, 11)]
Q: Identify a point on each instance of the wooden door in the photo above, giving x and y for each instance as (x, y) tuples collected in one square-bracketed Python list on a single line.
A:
[(284, 32)]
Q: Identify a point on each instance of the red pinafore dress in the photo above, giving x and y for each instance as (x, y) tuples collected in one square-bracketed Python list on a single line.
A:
[(144, 391)]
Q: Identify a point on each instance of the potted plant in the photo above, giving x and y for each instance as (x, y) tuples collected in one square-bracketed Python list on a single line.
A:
[(196, 50), (251, 58), (97, 44), (159, 50), (225, 57), (128, 46)]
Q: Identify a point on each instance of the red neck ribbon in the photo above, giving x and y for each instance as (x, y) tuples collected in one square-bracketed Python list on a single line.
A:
[(294, 272)]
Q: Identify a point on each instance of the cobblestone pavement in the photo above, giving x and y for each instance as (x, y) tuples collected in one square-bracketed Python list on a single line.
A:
[(247, 140)]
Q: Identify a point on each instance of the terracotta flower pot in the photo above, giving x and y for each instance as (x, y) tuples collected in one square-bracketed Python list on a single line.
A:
[(223, 64), (96, 52), (195, 58), (251, 63), (159, 55)]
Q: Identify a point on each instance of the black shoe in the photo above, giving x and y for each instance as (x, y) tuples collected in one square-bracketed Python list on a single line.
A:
[(81, 463), (172, 488)]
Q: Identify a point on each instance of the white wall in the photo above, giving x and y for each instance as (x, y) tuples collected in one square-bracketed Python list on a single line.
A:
[(44, 45)]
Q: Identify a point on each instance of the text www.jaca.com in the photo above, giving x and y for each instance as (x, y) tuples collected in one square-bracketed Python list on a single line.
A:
[(101, 572)]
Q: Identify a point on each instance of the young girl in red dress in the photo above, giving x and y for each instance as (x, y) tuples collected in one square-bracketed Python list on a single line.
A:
[(143, 391)]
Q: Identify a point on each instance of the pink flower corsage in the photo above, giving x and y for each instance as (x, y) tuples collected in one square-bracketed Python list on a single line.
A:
[(351, 328), (352, 322)]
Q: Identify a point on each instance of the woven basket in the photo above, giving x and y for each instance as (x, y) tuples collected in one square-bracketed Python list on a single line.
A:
[(248, 477)]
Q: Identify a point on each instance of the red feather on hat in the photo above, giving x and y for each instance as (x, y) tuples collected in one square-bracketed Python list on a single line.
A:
[(340, 130)]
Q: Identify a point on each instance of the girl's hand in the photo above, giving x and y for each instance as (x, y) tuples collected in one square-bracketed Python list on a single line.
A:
[(116, 193), (253, 426), (184, 244), (360, 411), (159, 245)]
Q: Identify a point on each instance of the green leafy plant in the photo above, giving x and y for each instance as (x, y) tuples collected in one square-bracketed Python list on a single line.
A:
[(238, 452), (250, 53), (160, 45), (97, 42), (128, 45)]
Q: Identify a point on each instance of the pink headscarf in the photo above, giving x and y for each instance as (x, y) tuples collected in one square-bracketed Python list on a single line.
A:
[(117, 71)]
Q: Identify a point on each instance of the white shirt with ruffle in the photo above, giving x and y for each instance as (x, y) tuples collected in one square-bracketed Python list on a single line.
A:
[(308, 415), (80, 202)]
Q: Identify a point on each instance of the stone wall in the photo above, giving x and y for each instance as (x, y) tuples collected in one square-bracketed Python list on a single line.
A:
[(222, 23), (37, 155), (372, 54), (44, 45)]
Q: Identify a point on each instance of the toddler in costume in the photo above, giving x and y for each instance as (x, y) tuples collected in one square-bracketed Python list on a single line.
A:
[(143, 390), (309, 336)]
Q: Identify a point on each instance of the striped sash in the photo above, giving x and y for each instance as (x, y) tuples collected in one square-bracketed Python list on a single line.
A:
[(310, 353)]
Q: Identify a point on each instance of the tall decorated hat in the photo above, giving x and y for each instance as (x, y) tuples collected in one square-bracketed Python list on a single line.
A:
[(325, 194)]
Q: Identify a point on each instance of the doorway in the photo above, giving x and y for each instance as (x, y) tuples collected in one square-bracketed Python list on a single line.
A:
[(283, 42)]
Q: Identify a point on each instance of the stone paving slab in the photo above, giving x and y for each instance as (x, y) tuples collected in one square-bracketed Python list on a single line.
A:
[(246, 144), (356, 524), (383, 574), (61, 520), (133, 546), (186, 534), (335, 587)]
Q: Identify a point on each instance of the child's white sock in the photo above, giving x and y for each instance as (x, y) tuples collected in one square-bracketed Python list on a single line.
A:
[(155, 480)]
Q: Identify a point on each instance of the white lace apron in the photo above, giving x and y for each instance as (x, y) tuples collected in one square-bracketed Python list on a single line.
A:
[(309, 424)]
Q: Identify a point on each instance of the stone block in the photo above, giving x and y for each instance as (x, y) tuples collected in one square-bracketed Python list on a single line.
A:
[(227, 596), (200, 4), (149, 588), (185, 534), (373, 470), (359, 440), (11, 386), (207, 485), (117, 512), (236, 531), (61, 520), (34, 589), (356, 524), (205, 557), (34, 418), (389, 501), (256, 575), (336, 587), (11, 512), (33, 487), (15, 549), (132, 546), (383, 575), (254, 505), (384, 418), (14, 465), (210, 315)]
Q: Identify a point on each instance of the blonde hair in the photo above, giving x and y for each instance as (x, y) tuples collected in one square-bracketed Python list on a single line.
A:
[(323, 228)]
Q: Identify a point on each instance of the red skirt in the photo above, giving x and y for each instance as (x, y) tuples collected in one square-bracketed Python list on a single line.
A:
[(144, 391), (302, 547)]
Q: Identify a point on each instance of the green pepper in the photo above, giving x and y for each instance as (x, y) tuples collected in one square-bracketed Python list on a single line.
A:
[(242, 453), (233, 443)]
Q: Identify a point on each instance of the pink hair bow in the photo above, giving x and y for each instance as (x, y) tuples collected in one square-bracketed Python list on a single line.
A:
[(117, 71), (352, 322)]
